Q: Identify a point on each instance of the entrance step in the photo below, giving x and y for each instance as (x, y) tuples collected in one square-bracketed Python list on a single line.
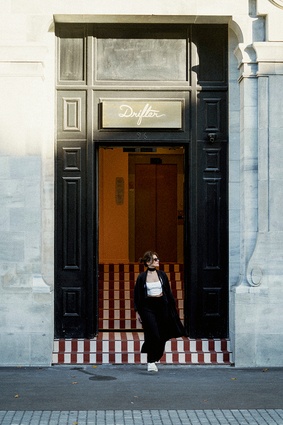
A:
[(124, 348)]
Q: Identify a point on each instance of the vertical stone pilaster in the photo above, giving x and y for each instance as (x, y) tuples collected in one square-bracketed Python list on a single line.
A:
[(248, 156), (258, 297), (266, 266)]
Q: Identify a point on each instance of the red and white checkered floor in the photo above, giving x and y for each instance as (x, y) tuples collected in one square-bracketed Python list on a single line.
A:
[(124, 348), (120, 337)]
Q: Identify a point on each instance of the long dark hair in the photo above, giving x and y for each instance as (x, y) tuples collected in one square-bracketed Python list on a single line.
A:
[(147, 257)]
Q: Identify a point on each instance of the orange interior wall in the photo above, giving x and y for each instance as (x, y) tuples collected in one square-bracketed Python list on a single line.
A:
[(113, 218)]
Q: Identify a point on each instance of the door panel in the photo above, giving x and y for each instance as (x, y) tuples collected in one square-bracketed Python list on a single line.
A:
[(207, 295), (156, 210), (166, 217), (71, 122), (145, 208), (70, 291), (213, 242), (211, 42)]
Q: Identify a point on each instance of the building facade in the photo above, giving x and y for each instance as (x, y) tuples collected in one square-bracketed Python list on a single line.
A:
[(130, 126)]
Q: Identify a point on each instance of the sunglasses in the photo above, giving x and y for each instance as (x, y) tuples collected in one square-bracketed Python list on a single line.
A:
[(155, 259)]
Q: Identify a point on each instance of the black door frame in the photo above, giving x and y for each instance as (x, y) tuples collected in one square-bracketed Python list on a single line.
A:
[(205, 93)]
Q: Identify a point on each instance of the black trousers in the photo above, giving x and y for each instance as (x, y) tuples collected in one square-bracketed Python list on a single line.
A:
[(155, 322)]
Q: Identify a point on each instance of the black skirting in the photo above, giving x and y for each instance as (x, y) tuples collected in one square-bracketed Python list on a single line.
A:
[(155, 321)]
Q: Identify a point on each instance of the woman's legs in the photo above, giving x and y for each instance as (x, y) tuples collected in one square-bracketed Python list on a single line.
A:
[(153, 324)]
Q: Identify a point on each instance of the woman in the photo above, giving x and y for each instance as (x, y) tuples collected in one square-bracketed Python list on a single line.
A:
[(156, 308)]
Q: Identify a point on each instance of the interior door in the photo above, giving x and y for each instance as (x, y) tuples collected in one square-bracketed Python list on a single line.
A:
[(156, 210)]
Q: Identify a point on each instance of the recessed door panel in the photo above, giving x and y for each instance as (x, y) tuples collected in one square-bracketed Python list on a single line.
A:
[(71, 258)]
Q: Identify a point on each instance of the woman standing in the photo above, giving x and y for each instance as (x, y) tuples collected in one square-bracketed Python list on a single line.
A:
[(156, 308)]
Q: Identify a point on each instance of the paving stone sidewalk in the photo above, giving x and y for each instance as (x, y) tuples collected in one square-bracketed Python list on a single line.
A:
[(144, 417), (129, 395)]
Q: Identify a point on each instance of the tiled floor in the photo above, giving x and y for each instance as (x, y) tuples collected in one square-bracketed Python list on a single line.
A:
[(120, 334), (124, 348), (115, 292)]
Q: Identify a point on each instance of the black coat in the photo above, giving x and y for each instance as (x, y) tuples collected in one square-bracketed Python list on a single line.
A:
[(175, 327)]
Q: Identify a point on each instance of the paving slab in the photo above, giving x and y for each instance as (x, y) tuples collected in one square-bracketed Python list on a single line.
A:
[(144, 417), (131, 387), (129, 395)]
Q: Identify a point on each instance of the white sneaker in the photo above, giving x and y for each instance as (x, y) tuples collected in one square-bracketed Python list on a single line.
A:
[(151, 367)]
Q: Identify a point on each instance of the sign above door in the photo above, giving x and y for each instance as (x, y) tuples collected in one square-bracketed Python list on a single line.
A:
[(142, 113)]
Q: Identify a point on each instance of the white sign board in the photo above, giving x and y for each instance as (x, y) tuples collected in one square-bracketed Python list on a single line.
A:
[(128, 113)]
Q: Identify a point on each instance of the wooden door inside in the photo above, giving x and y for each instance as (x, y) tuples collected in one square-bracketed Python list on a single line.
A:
[(156, 210)]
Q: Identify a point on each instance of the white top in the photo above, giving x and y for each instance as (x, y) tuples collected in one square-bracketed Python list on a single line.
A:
[(154, 288)]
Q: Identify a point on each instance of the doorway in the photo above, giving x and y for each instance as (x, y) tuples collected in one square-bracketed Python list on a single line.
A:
[(140, 194), (189, 96), (141, 203)]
